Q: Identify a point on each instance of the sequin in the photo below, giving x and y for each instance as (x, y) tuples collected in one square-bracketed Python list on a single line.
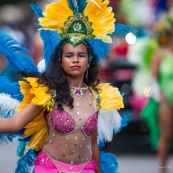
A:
[(42, 159), (63, 123)]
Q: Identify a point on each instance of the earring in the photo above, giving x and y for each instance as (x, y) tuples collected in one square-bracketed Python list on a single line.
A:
[(87, 75)]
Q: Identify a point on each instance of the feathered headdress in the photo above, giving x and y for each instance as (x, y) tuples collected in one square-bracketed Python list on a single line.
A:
[(79, 20)]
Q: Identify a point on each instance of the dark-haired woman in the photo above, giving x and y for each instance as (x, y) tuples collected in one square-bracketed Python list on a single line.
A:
[(60, 112)]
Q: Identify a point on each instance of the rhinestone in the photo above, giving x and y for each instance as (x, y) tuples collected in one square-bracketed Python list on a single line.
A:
[(54, 135), (50, 141), (71, 162), (56, 157), (53, 93), (71, 168), (77, 15), (78, 104), (75, 137), (77, 113)]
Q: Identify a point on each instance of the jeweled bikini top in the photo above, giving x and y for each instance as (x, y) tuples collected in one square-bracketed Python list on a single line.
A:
[(62, 122)]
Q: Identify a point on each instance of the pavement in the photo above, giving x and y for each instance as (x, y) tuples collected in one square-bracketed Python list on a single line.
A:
[(130, 161)]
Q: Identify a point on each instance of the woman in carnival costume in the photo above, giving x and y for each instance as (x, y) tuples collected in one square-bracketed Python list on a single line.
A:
[(65, 111), (158, 112)]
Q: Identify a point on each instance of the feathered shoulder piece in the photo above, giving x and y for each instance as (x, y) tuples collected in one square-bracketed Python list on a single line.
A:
[(108, 100), (107, 97), (38, 95)]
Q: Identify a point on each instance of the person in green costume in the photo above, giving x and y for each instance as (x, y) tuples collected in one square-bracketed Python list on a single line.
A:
[(158, 112)]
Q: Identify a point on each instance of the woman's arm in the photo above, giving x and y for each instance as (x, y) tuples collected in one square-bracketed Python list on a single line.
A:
[(95, 151), (155, 65), (20, 120)]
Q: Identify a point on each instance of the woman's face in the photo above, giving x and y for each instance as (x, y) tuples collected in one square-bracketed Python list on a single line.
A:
[(75, 60)]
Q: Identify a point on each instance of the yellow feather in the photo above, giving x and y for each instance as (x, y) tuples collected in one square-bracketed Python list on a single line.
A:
[(56, 13), (105, 38), (38, 139), (38, 95), (110, 97), (102, 19)]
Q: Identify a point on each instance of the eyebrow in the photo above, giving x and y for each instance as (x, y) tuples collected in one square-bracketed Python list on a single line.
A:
[(73, 53)]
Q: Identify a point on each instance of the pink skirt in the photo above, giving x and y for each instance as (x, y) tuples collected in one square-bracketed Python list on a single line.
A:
[(45, 164)]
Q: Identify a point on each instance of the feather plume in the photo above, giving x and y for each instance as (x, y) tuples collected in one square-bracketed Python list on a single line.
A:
[(95, 3), (25, 163), (37, 9), (108, 162), (121, 30), (10, 88), (100, 48), (77, 6), (49, 38), (7, 110), (11, 50), (21, 148)]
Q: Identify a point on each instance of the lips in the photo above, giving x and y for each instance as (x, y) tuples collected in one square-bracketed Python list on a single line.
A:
[(75, 67)]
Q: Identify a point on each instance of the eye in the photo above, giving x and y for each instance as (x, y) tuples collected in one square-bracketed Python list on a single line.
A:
[(69, 55), (82, 55)]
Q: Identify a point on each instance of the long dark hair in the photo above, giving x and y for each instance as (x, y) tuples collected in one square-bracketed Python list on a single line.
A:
[(55, 77)]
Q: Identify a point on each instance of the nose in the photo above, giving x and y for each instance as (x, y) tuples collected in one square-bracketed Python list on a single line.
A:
[(75, 59)]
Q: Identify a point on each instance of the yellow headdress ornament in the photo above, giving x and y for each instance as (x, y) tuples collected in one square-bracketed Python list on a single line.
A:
[(79, 19)]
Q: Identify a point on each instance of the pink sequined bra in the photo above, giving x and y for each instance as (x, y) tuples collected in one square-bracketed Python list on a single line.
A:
[(62, 122)]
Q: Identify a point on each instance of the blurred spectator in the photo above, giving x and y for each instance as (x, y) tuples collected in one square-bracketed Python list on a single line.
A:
[(158, 112)]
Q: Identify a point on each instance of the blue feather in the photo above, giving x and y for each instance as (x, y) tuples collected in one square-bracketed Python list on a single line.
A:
[(21, 148), (121, 30), (72, 6), (37, 9), (100, 48), (81, 5), (50, 41), (11, 50), (50, 38), (10, 88), (77, 6), (126, 119), (7, 110), (108, 162), (25, 163)]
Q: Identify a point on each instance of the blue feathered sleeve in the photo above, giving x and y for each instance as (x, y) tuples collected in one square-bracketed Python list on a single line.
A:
[(48, 37), (11, 50)]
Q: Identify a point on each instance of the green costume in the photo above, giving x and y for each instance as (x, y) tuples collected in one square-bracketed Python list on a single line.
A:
[(150, 111)]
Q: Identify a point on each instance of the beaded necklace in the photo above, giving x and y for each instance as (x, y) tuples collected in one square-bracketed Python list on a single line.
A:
[(78, 91)]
